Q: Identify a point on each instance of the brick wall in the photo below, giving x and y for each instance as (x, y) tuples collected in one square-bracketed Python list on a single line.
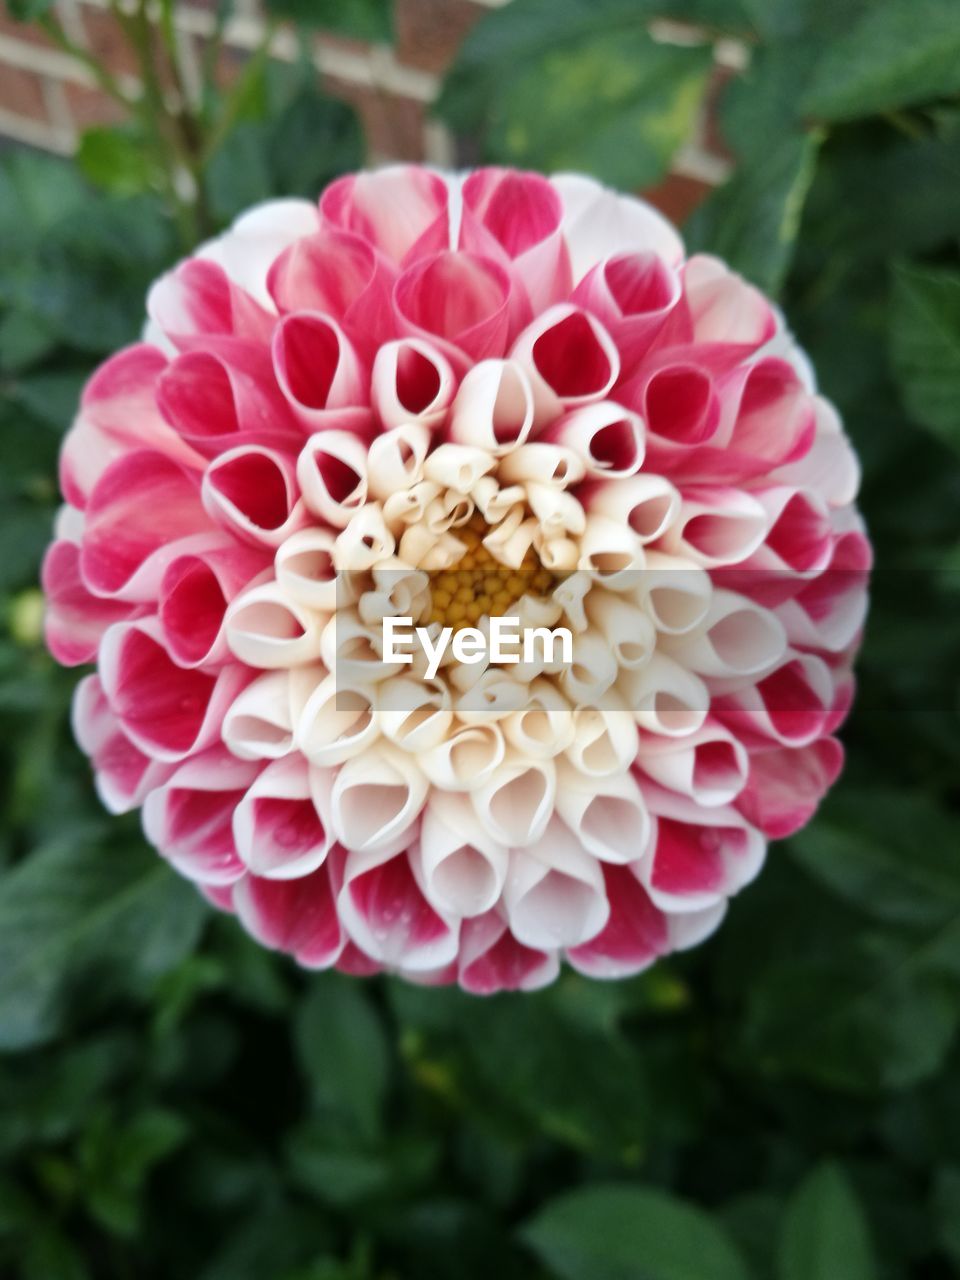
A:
[(47, 98)]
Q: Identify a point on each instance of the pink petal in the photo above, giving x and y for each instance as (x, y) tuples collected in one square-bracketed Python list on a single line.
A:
[(75, 620), (194, 593), (386, 914), (492, 960), (198, 297), (633, 294), (124, 775), (142, 504), (787, 784), (463, 302), (391, 208), (217, 399), (519, 215), (320, 374), (340, 275), (252, 492), (168, 711), (189, 819), (297, 916), (634, 936)]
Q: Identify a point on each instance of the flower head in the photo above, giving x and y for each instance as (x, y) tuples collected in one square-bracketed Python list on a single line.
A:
[(448, 400)]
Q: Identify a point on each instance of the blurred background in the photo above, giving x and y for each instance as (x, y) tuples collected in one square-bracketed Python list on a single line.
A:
[(783, 1104)]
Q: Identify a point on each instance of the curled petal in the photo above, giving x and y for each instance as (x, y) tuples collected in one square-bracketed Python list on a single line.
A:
[(648, 504), (717, 526), (629, 630), (604, 737), (125, 775), (700, 855), (736, 638), (353, 651), (276, 828), (340, 275), (248, 248), (554, 894), (612, 554), (296, 916), (570, 359), (830, 466), (470, 757), (394, 209), (792, 705), (461, 869), (592, 671), (365, 542), (598, 222), (252, 492), (608, 815), (723, 307), (633, 294), (169, 712), (387, 915), (266, 628), (337, 723), (665, 697), (75, 620), (829, 611), (493, 409), (259, 723), (199, 298), (461, 303), (710, 766), (608, 438), (194, 593), (787, 784), (189, 818), (332, 474), (515, 801), (674, 592), (411, 382), (396, 458), (415, 715), (544, 726), (376, 798), (635, 935), (519, 215), (319, 373), (214, 402), (142, 505), (305, 570), (491, 959)]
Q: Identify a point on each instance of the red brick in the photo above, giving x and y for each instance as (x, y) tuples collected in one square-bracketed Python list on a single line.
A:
[(392, 126), (90, 107), (28, 32), (108, 43), (713, 133), (677, 196), (21, 93), (429, 32)]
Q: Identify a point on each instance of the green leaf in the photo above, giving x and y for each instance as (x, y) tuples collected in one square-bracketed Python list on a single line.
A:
[(30, 10), (623, 1232), (576, 85), (752, 221), (80, 921), (343, 1051), (946, 1207), (894, 55), (118, 160), (893, 854), (925, 347), (370, 20), (825, 1233)]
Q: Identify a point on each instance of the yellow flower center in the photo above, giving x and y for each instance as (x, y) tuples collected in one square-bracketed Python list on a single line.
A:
[(478, 585)]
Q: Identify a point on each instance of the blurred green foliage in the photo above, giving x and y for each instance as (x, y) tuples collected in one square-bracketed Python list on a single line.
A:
[(784, 1103)]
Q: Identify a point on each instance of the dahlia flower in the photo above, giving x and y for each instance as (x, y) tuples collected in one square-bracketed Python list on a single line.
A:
[(451, 399)]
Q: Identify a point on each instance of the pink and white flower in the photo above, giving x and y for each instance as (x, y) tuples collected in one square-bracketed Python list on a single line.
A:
[(328, 397)]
